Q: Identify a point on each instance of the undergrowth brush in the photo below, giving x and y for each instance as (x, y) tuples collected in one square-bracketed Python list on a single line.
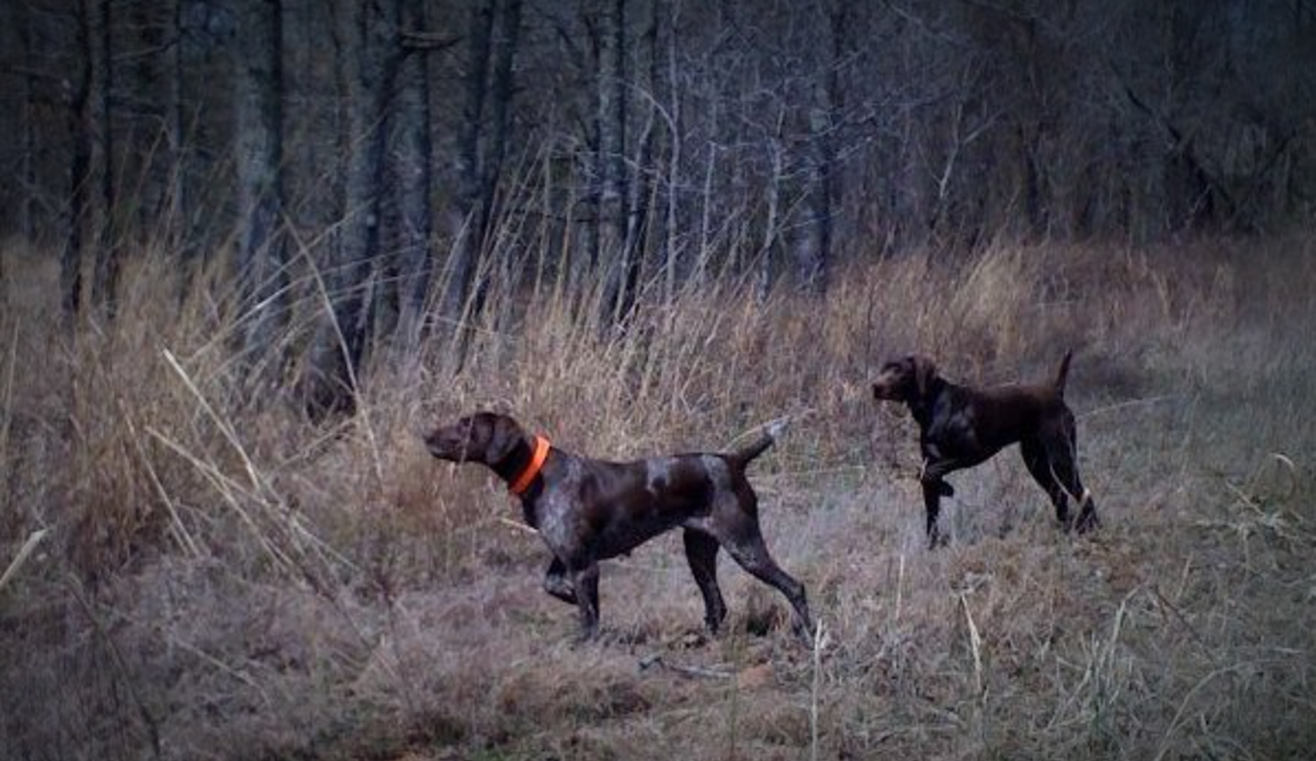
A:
[(193, 570)]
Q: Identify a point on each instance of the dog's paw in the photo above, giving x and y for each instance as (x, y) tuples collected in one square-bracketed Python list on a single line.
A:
[(692, 639)]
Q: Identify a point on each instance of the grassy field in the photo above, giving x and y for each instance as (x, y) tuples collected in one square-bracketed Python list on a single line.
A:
[(219, 579)]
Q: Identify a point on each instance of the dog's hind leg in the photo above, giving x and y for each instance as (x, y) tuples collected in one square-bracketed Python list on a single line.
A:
[(1040, 466), (701, 552), (1060, 452), (751, 553)]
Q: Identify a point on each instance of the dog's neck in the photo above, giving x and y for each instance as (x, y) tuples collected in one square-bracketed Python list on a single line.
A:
[(514, 463), (920, 406)]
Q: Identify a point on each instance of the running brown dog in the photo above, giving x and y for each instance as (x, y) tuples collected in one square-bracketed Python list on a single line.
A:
[(589, 510)]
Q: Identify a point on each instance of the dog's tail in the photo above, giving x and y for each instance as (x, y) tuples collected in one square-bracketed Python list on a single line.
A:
[(760, 445), (1063, 373)]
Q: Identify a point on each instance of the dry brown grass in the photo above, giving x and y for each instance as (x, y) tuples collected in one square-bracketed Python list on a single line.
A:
[(221, 580)]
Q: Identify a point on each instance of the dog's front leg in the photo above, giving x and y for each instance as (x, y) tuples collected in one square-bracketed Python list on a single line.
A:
[(586, 582), (931, 478), (932, 504), (557, 584), (935, 469)]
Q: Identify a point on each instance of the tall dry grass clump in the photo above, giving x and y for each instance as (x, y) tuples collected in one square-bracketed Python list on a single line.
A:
[(214, 576)]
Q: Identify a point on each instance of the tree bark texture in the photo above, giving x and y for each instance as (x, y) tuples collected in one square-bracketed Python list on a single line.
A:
[(262, 260), (81, 128), (610, 160), (105, 277), (371, 54), (413, 169), (468, 233)]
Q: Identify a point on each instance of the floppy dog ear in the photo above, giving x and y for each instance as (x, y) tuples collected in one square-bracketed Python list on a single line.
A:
[(503, 437), (924, 372)]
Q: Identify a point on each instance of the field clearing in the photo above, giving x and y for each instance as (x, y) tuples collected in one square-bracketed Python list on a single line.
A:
[(220, 579)]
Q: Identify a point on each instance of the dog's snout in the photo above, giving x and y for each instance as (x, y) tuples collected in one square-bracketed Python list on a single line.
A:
[(885, 385), (449, 443), (439, 442)]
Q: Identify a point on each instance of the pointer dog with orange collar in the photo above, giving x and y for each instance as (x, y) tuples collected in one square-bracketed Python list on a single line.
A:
[(589, 510)]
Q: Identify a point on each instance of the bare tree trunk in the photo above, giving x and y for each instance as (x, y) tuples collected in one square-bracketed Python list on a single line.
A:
[(611, 150), (148, 160), (178, 200), (763, 274), (105, 278), (188, 53), (469, 237), (814, 248), (504, 57), (372, 53), (27, 214), (81, 128), (500, 100), (262, 261), (671, 212), (640, 204), (705, 252), (415, 176)]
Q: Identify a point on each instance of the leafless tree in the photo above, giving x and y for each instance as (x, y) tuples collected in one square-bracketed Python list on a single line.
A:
[(106, 272), (80, 128), (370, 56), (413, 168), (261, 261), (655, 145), (468, 230), (610, 147)]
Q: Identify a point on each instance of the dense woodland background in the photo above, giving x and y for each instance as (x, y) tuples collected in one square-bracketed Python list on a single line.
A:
[(649, 145), (645, 227)]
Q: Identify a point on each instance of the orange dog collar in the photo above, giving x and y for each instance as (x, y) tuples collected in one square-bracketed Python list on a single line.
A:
[(522, 481)]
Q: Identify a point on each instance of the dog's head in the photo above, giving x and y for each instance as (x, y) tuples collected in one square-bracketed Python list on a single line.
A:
[(907, 379), (485, 437)]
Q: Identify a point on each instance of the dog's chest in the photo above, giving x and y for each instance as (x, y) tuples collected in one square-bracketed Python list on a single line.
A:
[(950, 428), (551, 519), (556, 511)]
